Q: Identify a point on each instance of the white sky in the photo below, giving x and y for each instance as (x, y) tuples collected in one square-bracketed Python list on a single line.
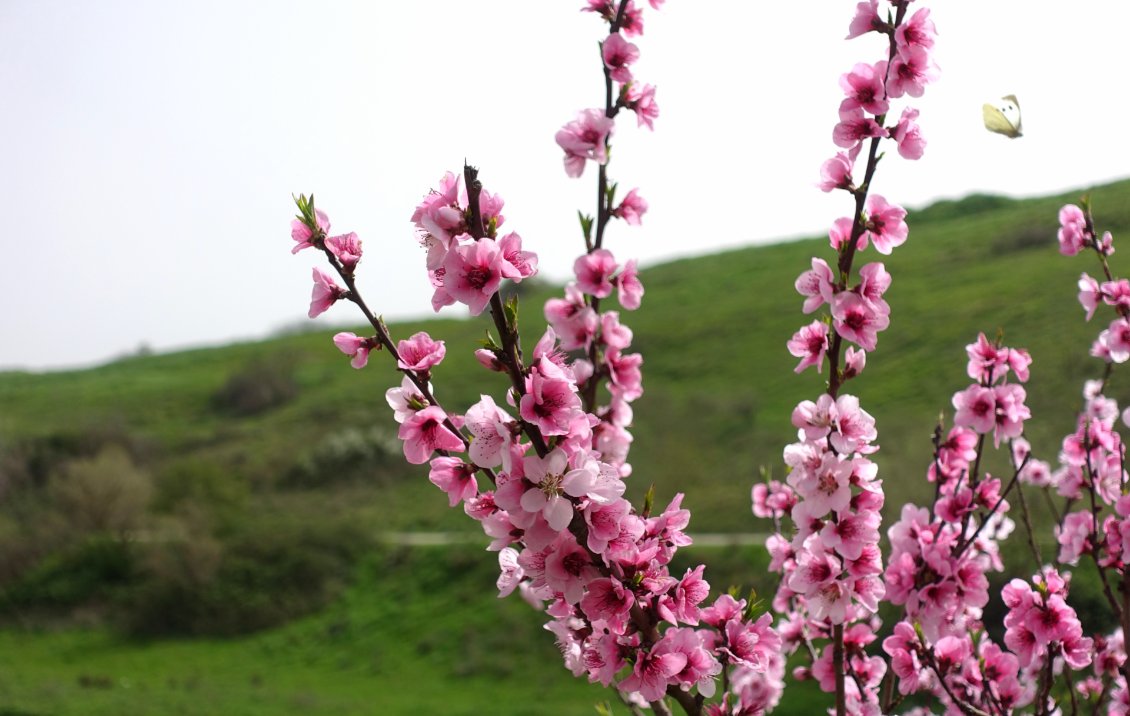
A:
[(150, 149)]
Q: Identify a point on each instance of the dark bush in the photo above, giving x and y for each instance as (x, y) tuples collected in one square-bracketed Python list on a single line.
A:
[(94, 570), (261, 385), (270, 572)]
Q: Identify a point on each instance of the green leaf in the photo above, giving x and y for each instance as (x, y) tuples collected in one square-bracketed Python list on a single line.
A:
[(489, 343), (586, 225), (648, 500), (511, 311)]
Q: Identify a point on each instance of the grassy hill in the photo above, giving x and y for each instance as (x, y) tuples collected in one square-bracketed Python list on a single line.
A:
[(267, 468)]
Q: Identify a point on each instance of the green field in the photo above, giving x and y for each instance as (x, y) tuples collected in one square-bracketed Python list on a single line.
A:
[(235, 566)]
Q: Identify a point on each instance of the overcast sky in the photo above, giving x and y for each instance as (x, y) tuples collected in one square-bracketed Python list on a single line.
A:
[(151, 149)]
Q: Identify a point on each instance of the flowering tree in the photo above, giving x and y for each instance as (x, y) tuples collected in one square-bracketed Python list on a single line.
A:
[(542, 468)]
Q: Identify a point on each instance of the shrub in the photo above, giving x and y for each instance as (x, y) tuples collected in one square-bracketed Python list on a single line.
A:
[(262, 385)]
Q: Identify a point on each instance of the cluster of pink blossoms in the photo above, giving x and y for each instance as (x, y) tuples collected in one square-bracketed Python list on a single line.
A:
[(543, 472), (461, 267), (831, 563)]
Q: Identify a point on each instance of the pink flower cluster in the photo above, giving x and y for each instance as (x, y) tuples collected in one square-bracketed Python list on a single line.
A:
[(1041, 626), (586, 138), (1076, 233), (461, 267), (543, 473), (993, 405), (832, 564)]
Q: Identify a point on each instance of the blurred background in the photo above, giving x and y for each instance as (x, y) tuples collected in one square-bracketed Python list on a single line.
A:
[(203, 509)]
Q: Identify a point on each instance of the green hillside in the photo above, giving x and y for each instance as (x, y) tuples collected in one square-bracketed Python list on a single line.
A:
[(213, 492)]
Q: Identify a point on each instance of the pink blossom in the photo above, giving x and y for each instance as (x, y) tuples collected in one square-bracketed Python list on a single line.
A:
[(631, 208), (405, 400), (985, 360), (976, 408), (607, 599), (630, 289), (572, 319), (652, 671), (1075, 536), (951, 651), (640, 98), (1073, 232), (816, 284), (856, 320), (854, 126), (425, 432), (326, 292), (772, 499), (569, 568), (840, 234), (489, 360), (851, 534), (632, 21), (303, 235), (613, 333), (454, 477), (473, 272), (347, 249), (853, 428), (854, 362), (510, 571), (516, 263), (864, 87), (886, 224), (625, 378), (1011, 412), (701, 667), (826, 488), (1116, 339), (918, 31), (866, 19), (902, 646), (1019, 360), (619, 54), (816, 420), (681, 604), (603, 658), (584, 138), (551, 401), (420, 352), (490, 427), (832, 601), (911, 70), (355, 346), (1117, 293), (594, 272), (835, 173), (439, 219), (809, 344), (567, 638), (440, 296), (873, 283), (669, 525), (604, 521), (552, 481), (908, 135)]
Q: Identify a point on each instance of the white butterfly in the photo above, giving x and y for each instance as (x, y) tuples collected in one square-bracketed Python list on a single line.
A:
[(1003, 117)]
